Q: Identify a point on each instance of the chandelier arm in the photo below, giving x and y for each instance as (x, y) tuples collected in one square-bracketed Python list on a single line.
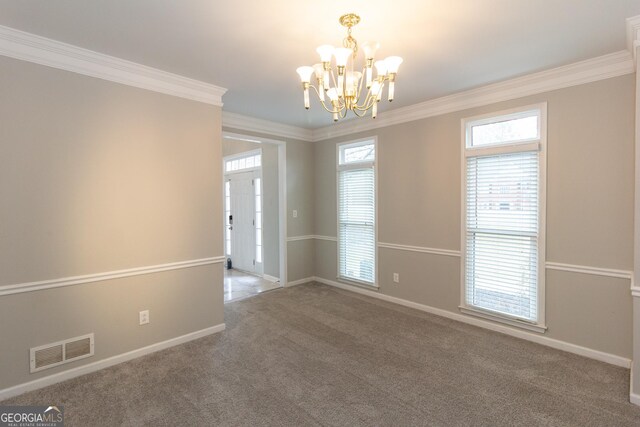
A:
[(367, 101), (322, 101), (363, 78), (335, 83), (355, 111)]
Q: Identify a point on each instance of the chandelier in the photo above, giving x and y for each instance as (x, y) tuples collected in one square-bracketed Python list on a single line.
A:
[(349, 90)]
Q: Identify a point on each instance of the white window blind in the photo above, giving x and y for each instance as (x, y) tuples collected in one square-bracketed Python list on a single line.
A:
[(356, 213), (503, 219), (502, 233)]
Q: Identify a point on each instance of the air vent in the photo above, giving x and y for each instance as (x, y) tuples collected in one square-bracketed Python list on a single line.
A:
[(58, 353), (48, 356)]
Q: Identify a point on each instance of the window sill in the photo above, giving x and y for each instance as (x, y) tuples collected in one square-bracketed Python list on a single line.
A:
[(541, 329), (364, 285)]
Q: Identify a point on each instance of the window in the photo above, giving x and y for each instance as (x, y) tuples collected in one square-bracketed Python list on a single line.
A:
[(503, 226), (227, 213), (258, 220), (244, 161), (357, 212)]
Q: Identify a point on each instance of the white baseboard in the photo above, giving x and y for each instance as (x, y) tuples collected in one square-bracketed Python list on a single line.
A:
[(633, 397), (270, 278), (300, 281), (549, 342), (105, 363)]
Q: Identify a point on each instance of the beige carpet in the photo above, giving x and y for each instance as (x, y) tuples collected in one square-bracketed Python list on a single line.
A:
[(315, 355)]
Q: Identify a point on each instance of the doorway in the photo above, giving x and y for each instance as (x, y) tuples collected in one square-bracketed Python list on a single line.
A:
[(254, 206)]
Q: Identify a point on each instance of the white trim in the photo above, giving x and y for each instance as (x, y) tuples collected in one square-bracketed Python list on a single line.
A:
[(99, 277), (597, 271), (105, 363), (633, 33), (635, 291), (539, 339), (633, 397), (300, 282), (282, 193), (311, 236), (327, 238), (270, 278), (541, 146), (434, 251), (591, 70), (372, 164), (298, 238), (252, 124), (500, 318), (41, 50)]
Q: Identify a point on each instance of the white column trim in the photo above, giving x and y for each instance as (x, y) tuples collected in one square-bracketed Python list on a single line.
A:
[(99, 277), (51, 53)]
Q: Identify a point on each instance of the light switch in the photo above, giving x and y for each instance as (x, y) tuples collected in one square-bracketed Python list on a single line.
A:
[(295, 213)]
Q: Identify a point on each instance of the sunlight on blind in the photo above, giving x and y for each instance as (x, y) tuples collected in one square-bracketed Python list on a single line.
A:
[(502, 233), (356, 189)]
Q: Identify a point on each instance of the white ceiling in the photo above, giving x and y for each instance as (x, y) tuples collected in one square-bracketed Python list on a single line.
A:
[(253, 47)]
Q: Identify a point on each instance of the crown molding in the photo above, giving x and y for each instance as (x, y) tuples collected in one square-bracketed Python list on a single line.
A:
[(40, 50), (633, 34), (600, 68), (252, 124)]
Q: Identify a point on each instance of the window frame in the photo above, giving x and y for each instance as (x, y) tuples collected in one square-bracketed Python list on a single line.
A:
[(539, 145), (355, 166), (243, 155)]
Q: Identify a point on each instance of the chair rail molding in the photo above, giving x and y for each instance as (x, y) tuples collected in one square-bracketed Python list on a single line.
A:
[(100, 277)]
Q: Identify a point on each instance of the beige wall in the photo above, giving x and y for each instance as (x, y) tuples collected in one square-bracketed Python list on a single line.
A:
[(96, 177), (270, 200), (300, 196), (589, 209)]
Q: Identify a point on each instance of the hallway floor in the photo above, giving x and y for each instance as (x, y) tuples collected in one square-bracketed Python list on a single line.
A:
[(240, 285)]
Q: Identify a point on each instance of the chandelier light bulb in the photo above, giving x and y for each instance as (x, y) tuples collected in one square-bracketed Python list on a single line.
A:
[(392, 63), (342, 55), (333, 94), (305, 73), (381, 68), (370, 49), (326, 52)]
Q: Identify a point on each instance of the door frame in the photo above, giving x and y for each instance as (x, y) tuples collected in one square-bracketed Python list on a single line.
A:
[(282, 193)]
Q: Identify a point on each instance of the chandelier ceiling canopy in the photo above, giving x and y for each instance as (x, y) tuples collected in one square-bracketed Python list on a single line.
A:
[(339, 87)]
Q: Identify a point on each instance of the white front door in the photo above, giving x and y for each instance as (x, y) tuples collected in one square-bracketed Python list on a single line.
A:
[(243, 235)]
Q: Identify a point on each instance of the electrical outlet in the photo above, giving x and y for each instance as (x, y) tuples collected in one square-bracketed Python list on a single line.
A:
[(396, 278), (144, 317), (295, 213)]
